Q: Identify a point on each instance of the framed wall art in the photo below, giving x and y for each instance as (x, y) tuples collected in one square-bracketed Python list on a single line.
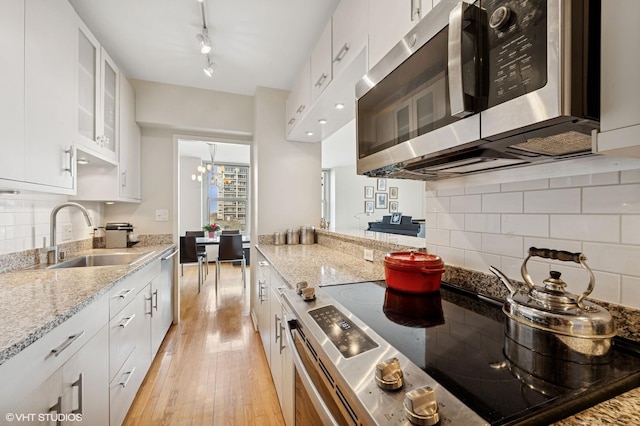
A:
[(368, 192), (382, 184), (368, 206), (381, 200), (393, 206), (393, 192)]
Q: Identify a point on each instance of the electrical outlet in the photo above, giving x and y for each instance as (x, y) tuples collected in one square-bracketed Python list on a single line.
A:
[(162, 215), (368, 255), (67, 232)]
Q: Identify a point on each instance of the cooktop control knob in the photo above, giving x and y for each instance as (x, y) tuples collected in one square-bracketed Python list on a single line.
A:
[(421, 407), (500, 18), (389, 374), (301, 286), (308, 293)]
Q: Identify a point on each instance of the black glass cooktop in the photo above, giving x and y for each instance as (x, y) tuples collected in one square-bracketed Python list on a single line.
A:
[(459, 340)]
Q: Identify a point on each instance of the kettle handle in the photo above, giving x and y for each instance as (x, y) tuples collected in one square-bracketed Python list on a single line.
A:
[(564, 256)]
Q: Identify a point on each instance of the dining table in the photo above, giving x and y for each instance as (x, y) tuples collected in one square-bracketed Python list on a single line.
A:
[(216, 240)]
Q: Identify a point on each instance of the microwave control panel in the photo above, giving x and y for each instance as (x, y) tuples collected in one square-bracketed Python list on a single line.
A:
[(517, 48)]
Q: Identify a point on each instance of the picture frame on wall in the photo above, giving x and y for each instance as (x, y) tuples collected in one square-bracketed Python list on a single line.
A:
[(382, 184), (393, 192), (381, 200), (368, 192), (393, 206), (396, 218), (368, 206)]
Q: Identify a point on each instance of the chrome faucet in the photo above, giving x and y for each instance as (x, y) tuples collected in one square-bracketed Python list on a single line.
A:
[(52, 251)]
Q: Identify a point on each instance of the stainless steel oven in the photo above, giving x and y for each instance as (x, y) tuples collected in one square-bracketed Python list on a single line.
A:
[(482, 85)]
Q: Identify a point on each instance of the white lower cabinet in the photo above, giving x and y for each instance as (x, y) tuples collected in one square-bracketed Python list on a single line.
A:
[(91, 366)]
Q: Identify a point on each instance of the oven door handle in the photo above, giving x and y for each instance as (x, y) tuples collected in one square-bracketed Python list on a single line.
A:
[(322, 409)]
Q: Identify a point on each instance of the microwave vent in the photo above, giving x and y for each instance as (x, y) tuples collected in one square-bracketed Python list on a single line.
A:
[(562, 144)]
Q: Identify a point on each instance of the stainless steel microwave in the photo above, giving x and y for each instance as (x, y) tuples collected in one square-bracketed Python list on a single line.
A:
[(482, 86)]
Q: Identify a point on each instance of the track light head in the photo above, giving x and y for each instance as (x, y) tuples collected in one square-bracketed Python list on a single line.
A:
[(208, 67), (203, 39)]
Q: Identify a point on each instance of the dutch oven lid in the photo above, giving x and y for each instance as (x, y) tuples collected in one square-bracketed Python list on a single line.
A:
[(413, 259)]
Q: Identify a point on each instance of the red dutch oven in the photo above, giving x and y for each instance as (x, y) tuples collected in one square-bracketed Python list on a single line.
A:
[(413, 272)]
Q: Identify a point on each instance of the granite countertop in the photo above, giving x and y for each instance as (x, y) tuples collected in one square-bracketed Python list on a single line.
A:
[(319, 265), (35, 300)]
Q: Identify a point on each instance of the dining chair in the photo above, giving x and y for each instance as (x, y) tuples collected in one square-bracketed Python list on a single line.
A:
[(230, 231), (189, 254), (230, 250), (202, 249)]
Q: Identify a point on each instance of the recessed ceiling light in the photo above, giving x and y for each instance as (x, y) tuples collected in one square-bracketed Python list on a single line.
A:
[(309, 133), (82, 160), (339, 106), (322, 121)]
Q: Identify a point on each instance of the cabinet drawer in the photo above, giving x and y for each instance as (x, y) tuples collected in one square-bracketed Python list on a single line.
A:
[(126, 290), (123, 388), (28, 369), (127, 328)]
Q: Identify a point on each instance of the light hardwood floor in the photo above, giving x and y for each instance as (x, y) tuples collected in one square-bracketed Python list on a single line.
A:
[(211, 368)]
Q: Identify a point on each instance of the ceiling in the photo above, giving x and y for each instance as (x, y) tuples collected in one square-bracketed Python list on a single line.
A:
[(255, 43)]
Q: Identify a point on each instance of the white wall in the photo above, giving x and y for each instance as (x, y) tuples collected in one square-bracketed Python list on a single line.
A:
[(190, 196), (495, 224), (286, 175), (347, 202)]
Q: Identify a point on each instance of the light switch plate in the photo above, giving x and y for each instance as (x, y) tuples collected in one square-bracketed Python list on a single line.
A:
[(67, 232), (162, 215), (368, 255)]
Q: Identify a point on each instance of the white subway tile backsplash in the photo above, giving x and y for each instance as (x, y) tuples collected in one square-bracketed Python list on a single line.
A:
[(480, 261), (466, 240), (525, 185), (612, 199), (506, 245), (607, 287), (533, 225), (630, 229), (609, 178), (437, 204), (449, 255), (614, 258), (601, 228), (482, 189), (438, 237), (481, 222), (453, 221), (630, 292), (466, 204), (447, 192), (502, 203), (552, 201), (630, 176), (538, 271)]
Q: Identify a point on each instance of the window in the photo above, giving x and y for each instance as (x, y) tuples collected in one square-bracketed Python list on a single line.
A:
[(227, 195)]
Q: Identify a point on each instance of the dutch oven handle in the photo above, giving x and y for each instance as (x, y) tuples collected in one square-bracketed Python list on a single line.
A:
[(564, 256), (430, 271)]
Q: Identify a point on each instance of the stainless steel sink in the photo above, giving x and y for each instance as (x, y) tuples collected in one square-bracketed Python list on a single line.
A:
[(101, 259)]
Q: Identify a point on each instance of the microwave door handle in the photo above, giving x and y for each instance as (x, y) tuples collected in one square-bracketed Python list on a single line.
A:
[(457, 98), (323, 411)]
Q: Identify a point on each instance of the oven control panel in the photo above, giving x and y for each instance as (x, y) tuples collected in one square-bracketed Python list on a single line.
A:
[(347, 337)]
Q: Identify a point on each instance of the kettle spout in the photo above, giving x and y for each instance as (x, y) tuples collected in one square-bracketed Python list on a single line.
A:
[(504, 279)]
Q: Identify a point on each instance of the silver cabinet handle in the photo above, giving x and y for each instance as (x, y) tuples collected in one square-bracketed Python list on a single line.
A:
[(127, 321), (58, 350), (155, 306), (415, 9), (342, 53), (123, 294), (78, 384), (275, 328), (321, 80), (123, 180), (291, 121), (150, 300), (69, 151), (282, 330), (461, 103), (57, 407), (301, 108), (170, 256), (129, 374)]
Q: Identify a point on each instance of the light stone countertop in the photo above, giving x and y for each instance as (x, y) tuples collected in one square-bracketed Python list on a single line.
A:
[(35, 301), (319, 265)]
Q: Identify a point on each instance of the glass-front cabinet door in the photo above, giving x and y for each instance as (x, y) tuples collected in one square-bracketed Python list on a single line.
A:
[(97, 99)]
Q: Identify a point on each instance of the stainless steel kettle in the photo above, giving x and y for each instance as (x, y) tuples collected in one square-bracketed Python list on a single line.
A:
[(535, 311)]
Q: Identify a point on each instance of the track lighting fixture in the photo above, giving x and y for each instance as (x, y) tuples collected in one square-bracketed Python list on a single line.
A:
[(203, 39), (208, 67)]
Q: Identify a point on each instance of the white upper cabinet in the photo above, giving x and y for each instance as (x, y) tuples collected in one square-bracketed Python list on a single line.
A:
[(620, 86), (299, 99), (98, 79), (12, 89), (390, 21), (321, 59), (129, 164), (50, 92), (349, 33)]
